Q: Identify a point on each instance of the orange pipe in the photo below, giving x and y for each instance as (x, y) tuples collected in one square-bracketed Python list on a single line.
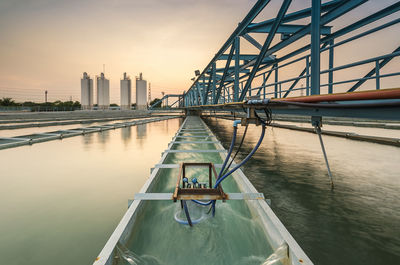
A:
[(393, 93)]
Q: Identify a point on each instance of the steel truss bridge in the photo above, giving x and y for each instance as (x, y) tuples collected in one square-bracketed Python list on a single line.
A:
[(234, 80)]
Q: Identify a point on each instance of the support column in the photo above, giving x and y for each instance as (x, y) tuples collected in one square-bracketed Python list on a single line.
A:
[(264, 80), (214, 81), (307, 75), (330, 74), (377, 69), (315, 46), (276, 81), (237, 61), (203, 91), (224, 93)]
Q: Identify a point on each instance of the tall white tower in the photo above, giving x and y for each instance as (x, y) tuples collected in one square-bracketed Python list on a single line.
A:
[(103, 92), (141, 93), (126, 93), (86, 92)]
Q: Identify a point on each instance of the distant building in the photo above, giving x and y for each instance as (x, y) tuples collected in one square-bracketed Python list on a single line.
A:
[(86, 92), (103, 92), (141, 93), (126, 93)]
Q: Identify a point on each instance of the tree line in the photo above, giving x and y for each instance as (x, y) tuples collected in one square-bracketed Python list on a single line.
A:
[(58, 104)]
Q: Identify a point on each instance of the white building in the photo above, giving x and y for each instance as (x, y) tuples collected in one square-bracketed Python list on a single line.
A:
[(103, 92), (126, 93), (86, 92), (141, 93)]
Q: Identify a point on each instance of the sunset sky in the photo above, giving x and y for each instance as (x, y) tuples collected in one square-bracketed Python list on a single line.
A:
[(48, 44)]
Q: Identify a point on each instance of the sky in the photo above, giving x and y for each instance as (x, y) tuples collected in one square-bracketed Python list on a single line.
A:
[(48, 44)]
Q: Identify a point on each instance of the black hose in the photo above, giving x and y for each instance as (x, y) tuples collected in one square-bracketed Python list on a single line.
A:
[(187, 213)]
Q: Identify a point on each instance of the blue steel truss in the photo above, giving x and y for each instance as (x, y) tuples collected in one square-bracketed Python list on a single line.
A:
[(233, 76)]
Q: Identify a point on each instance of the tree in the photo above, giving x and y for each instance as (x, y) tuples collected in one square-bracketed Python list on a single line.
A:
[(77, 105), (7, 102)]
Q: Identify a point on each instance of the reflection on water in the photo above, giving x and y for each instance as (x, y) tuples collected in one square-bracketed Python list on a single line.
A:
[(103, 138), (87, 140), (141, 131), (61, 200), (126, 134), (357, 223)]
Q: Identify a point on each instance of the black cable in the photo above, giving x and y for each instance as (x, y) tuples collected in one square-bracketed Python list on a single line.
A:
[(265, 122), (268, 114)]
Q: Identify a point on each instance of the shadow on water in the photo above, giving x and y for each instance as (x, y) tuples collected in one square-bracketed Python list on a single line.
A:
[(357, 223)]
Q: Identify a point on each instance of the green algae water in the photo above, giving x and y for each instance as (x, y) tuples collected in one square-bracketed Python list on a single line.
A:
[(234, 236)]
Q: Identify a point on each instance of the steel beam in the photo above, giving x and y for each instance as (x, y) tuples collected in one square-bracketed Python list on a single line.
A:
[(254, 42), (221, 83), (315, 44), (284, 29), (267, 43), (331, 58), (236, 76), (296, 15), (253, 13)]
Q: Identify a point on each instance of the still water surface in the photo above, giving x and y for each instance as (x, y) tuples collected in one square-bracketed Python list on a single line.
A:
[(357, 223), (380, 132), (26, 131), (61, 200)]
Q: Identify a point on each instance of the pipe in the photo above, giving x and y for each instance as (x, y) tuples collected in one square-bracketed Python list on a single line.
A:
[(219, 180), (187, 213), (391, 103), (361, 95), (235, 124), (239, 165), (368, 104)]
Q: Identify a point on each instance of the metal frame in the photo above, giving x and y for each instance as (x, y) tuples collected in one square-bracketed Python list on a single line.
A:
[(242, 80)]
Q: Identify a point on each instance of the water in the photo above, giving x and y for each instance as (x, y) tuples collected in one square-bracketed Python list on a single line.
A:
[(279, 256), (234, 236), (61, 200), (25, 131), (381, 132), (357, 223)]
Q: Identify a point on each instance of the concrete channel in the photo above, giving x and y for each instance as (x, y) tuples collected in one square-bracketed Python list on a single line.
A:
[(272, 228)]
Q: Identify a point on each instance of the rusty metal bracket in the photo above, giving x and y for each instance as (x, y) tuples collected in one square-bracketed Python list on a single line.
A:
[(251, 117), (182, 191)]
